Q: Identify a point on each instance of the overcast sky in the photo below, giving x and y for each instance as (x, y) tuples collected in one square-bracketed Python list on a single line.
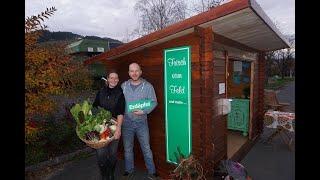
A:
[(116, 18)]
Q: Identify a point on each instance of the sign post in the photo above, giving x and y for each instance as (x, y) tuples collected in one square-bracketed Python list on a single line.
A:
[(177, 77)]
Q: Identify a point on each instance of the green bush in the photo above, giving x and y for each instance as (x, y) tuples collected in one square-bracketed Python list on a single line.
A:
[(34, 150), (62, 137), (34, 154), (59, 137), (278, 83), (58, 132)]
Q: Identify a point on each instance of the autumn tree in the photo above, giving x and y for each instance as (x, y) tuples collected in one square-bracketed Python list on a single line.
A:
[(49, 70)]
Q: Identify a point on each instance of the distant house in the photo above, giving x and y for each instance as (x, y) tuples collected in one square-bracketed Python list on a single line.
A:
[(88, 47)]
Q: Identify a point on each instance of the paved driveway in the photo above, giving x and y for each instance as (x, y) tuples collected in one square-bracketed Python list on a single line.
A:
[(273, 161), (287, 95), (87, 169)]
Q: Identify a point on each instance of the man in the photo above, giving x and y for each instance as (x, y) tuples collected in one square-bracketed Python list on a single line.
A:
[(137, 90)]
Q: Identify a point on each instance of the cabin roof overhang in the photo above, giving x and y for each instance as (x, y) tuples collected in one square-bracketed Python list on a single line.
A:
[(243, 21)]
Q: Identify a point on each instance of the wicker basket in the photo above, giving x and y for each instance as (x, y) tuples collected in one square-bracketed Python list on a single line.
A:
[(99, 144)]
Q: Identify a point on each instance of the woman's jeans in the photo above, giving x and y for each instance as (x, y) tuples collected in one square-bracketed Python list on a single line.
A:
[(107, 158), (139, 128)]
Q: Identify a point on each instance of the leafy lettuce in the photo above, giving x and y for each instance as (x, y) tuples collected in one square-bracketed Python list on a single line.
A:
[(88, 118)]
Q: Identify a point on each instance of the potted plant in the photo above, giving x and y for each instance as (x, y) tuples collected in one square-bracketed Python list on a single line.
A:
[(189, 168)]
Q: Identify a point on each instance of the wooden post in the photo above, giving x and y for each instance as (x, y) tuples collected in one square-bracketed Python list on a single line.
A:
[(227, 73), (252, 95), (261, 81), (206, 86)]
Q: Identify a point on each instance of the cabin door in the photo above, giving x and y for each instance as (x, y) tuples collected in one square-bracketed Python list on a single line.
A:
[(239, 88)]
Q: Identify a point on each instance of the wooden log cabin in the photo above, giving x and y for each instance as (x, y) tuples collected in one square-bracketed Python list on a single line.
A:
[(227, 64)]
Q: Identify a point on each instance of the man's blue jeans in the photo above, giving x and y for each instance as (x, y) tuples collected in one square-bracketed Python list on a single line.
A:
[(141, 130)]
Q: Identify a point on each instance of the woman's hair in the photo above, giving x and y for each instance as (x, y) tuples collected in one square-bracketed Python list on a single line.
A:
[(111, 71)]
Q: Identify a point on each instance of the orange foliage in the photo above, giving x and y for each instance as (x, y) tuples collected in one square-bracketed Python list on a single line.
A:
[(49, 70)]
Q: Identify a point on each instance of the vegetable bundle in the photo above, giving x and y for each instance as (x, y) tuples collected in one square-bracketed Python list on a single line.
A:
[(93, 124)]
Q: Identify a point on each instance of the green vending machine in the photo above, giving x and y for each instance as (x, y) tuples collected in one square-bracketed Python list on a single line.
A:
[(238, 118)]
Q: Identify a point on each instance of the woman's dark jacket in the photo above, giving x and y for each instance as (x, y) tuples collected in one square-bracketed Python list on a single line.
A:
[(111, 99)]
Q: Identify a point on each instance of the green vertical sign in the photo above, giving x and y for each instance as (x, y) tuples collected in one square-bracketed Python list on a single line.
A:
[(177, 91)]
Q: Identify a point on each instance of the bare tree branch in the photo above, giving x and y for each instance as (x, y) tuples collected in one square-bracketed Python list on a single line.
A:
[(281, 62), (205, 5), (158, 14)]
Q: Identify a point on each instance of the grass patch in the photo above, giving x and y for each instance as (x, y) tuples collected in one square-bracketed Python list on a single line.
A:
[(278, 83)]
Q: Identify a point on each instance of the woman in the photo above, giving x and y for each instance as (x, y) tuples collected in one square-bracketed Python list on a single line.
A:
[(111, 98)]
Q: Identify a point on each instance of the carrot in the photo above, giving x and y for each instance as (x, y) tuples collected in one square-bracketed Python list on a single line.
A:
[(105, 134)]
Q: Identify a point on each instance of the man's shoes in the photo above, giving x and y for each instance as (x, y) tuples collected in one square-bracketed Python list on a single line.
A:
[(153, 176)]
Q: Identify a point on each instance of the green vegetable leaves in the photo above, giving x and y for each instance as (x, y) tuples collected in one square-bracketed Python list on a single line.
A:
[(75, 112), (86, 107), (98, 128), (103, 115), (89, 119), (81, 117)]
